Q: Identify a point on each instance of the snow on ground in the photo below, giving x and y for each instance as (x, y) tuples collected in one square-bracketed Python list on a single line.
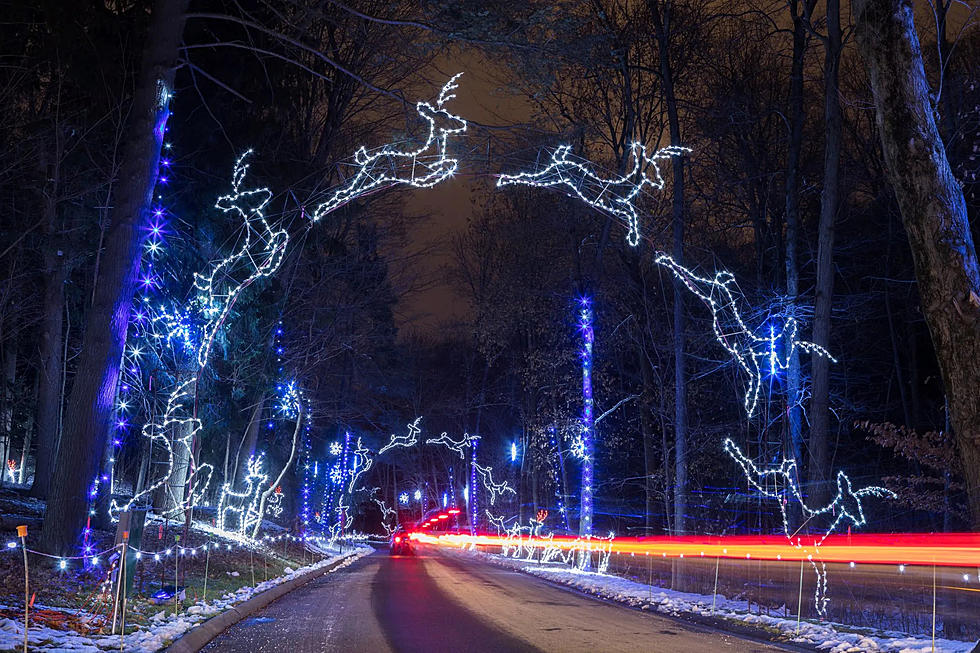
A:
[(829, 637), (164, 626)]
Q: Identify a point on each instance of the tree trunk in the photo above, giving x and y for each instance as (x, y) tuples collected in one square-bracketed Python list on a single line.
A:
[(170, 496), (249, 441), (25, 452), (934, 213), (796, 117), (660, 13), (9, 378), (823, 302), (650, 464), (294, 448), (48, 413), (87, 420)]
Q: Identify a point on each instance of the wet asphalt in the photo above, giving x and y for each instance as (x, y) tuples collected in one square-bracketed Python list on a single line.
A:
[(431, 602)]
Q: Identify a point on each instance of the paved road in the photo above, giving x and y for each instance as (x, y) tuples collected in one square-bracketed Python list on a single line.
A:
[(433, 602)]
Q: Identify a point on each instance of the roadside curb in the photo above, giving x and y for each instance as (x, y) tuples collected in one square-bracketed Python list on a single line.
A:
[(198, 637)]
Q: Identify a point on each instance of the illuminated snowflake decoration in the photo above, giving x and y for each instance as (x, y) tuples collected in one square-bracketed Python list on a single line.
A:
[(615, 196), (335, 448), (736, 337), (403, 498), (289, 399)]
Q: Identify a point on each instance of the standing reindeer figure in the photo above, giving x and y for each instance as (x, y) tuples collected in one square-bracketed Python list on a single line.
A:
[(846, 506), (747, 348), (243, 504), (613, 196), (423, 167), (259, 253)]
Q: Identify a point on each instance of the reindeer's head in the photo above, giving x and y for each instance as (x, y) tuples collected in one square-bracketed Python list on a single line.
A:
[(645, 165), (441, 120)]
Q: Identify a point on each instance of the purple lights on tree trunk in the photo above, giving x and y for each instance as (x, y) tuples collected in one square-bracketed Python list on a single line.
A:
[(471, 499), (588, 419)]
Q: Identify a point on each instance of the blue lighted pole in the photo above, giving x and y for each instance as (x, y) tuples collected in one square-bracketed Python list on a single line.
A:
[(471, 498), (588, 423)]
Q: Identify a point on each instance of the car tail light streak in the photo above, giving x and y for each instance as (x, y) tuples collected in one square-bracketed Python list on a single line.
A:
[(943, 549)]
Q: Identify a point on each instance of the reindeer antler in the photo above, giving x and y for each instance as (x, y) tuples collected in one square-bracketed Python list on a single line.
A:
[(446, 94)]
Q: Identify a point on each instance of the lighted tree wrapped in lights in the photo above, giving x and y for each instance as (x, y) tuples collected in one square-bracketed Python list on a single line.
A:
[(584, 445), (258, 254)]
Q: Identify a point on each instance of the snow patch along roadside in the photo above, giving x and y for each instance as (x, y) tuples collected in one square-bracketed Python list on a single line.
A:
[(829, 637), (164, 627)]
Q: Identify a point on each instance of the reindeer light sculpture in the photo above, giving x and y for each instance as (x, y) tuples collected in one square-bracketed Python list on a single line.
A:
[(456, 445), (404, 440), (746, 347), (486, 475), (846, 506), (422, 167), (615, 195), (258, 255)]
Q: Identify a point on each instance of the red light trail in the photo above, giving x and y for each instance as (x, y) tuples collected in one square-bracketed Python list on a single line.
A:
[(943, 549)]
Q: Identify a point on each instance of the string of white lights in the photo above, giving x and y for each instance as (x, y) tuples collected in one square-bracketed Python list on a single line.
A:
[(459, 446), (735, 336), (615, 195), (772, 483), (486, 476), (404, 440), (259, 255), (422, 167), (244, 504)]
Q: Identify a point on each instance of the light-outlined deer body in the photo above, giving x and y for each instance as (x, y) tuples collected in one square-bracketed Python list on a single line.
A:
[(776, 482), (259, 254), (422, 167), (615, 195), (736, 337)]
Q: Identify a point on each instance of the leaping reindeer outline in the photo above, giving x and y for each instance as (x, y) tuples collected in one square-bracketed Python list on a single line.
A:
[(745, 346), (846, 505), (614, 195), (404, 440), (456, 445), (486, 475), (259, 255), (384, 166)]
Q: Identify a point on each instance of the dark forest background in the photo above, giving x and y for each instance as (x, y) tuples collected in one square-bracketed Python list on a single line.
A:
[(786, 187)]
